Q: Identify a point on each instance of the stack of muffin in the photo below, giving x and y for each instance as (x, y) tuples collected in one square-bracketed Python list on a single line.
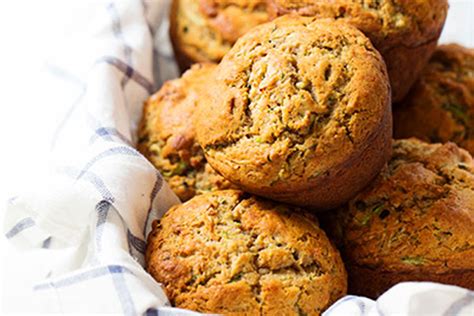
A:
[(286, 116)]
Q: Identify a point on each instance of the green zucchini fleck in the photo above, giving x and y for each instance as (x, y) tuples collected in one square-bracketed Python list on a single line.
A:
[(237, 277), (458, 112), (179, 169), (416, 261), (367, 217)]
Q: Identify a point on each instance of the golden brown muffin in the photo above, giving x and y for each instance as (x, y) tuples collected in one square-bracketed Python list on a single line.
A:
[(167, 136), (204, 30), (404, 32), (299, 112), (440, 107), (415, 222), (228, 252)]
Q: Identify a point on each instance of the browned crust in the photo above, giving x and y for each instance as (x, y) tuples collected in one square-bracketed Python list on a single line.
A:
[(346, 179), (388, 23), (440, 106), (167, 135), (215, 25), (346, 161), (373, 282), (405, 35), (184, 58), (231, 253), (412, 223), (404, 66)]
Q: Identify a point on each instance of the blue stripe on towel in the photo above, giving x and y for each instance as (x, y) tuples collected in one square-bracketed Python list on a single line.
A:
[(82, 277), (126, 301), (20, 226), (156, 188), (102, 132), (92, 178), (122, 150), (460, 304), (128, 71)]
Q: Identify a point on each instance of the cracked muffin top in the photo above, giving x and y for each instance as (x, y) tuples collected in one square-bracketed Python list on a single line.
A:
[(205, 30), (296, 105), (167, 136), (418, 215), (440, 107), (228, 252)]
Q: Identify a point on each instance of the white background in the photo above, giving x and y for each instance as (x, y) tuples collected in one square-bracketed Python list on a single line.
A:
[(29, 31)]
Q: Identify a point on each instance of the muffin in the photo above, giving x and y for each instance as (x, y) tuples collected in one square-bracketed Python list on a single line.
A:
[(203, 31), (404, 32), (227, 252), (440, 107), (299, 112), (167, 135), (413, 223)]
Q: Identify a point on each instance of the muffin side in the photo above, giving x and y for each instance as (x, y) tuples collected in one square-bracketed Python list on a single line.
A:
[(232, 253), (299, 112), (387, 23), (414, 222), (167, 135), (203, 31), (440, 107)]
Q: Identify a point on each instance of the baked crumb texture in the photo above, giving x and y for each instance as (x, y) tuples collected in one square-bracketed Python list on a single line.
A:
[(228, 252), (413, 223), (167, 135), (299, 112), (440, 107), (204, 30)]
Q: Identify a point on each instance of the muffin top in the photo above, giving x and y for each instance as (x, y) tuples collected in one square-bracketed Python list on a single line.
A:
[(440, 107), (206, 29), (293, 100), (229, 252), (417, 215), (386, 22), (167, 135)]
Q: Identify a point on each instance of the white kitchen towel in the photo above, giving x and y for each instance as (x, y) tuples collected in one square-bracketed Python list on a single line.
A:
[(91, 213)]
